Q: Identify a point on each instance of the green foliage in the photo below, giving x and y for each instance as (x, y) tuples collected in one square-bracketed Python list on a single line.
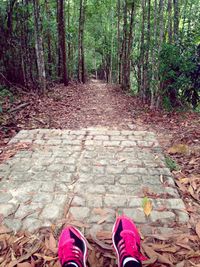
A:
[(177, 65), (166, 103), (5, 95), (171, 164)]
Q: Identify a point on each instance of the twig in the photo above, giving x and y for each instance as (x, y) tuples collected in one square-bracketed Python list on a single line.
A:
[(23, 105)]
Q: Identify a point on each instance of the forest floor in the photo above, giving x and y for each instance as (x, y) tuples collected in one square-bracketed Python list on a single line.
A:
[(98, 104)]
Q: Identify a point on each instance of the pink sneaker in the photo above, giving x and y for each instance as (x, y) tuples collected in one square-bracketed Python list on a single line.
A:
[(72, 247), (126, 240)]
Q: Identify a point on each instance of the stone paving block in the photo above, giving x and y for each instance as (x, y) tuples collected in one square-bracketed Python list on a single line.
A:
[(101, 137), (43, 198), (60, 199), (135, 170), (7, 209), (13, 224), (114, 169), (98, 169), (182, 216), (48, 187), (171, 203), (51, 212), (93, 143), (135, 214), (116, 189), (31, 224), (90, 188), (111, 143), (28, 210), (72, 142), (118, 138), (128, 144), (94, 201), (78, 201), (80, 213), (5, 197), (103, 179), (130, 179), (115, 201), (163, 216), (4, 168), (56, 167), (135, 202)]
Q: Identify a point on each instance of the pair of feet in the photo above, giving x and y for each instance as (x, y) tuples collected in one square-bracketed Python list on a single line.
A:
[(72, 248)]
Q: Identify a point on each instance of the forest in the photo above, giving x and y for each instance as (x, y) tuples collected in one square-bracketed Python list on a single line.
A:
[(150, 47), (99, 116)]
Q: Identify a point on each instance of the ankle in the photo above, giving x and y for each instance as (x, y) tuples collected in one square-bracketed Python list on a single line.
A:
[(131, 262), (70, 264)]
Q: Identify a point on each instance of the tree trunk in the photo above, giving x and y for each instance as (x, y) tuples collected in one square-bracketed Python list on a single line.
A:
[(142, 52), (118, 41), (81, 60), (147, 65), (62, 41), (170, 21), (49, 46), (124, 48), (154, 61), (39, 47), (176, 19)]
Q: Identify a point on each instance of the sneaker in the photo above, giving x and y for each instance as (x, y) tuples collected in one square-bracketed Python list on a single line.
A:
[(126, 240), (72, 247)]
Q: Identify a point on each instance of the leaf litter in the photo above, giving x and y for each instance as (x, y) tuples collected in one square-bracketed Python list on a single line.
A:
[(40, 249)]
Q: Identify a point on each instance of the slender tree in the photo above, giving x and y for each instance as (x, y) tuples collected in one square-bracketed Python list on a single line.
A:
[(39, 46), (81, 59), (62, 41)]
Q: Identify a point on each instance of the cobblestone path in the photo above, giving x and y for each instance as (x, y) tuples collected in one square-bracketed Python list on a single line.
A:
[(87, 175)]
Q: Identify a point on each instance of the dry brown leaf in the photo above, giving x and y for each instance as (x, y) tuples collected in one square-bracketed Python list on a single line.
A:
[(164, 248), (101, 212), (104, 235), (24, 264), (147, 206), (151, 253), (52, 244), (4, 230), (180, 264), (78, 224), (197, 228), (100, 243), (178, 149), (46, 258), (26, 256), (102, 220)]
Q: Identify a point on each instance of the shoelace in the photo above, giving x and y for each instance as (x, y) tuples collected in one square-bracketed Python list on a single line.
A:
[(73, 252), (127, 246)]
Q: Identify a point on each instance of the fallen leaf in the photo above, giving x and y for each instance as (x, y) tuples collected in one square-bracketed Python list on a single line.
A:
[(178, 149), (52, 244), (4, 230), (197, 228), (24, 264), (147, 206)]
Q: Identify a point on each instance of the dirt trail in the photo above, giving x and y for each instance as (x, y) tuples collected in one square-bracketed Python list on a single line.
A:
[(105, 105), (80, 106)]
